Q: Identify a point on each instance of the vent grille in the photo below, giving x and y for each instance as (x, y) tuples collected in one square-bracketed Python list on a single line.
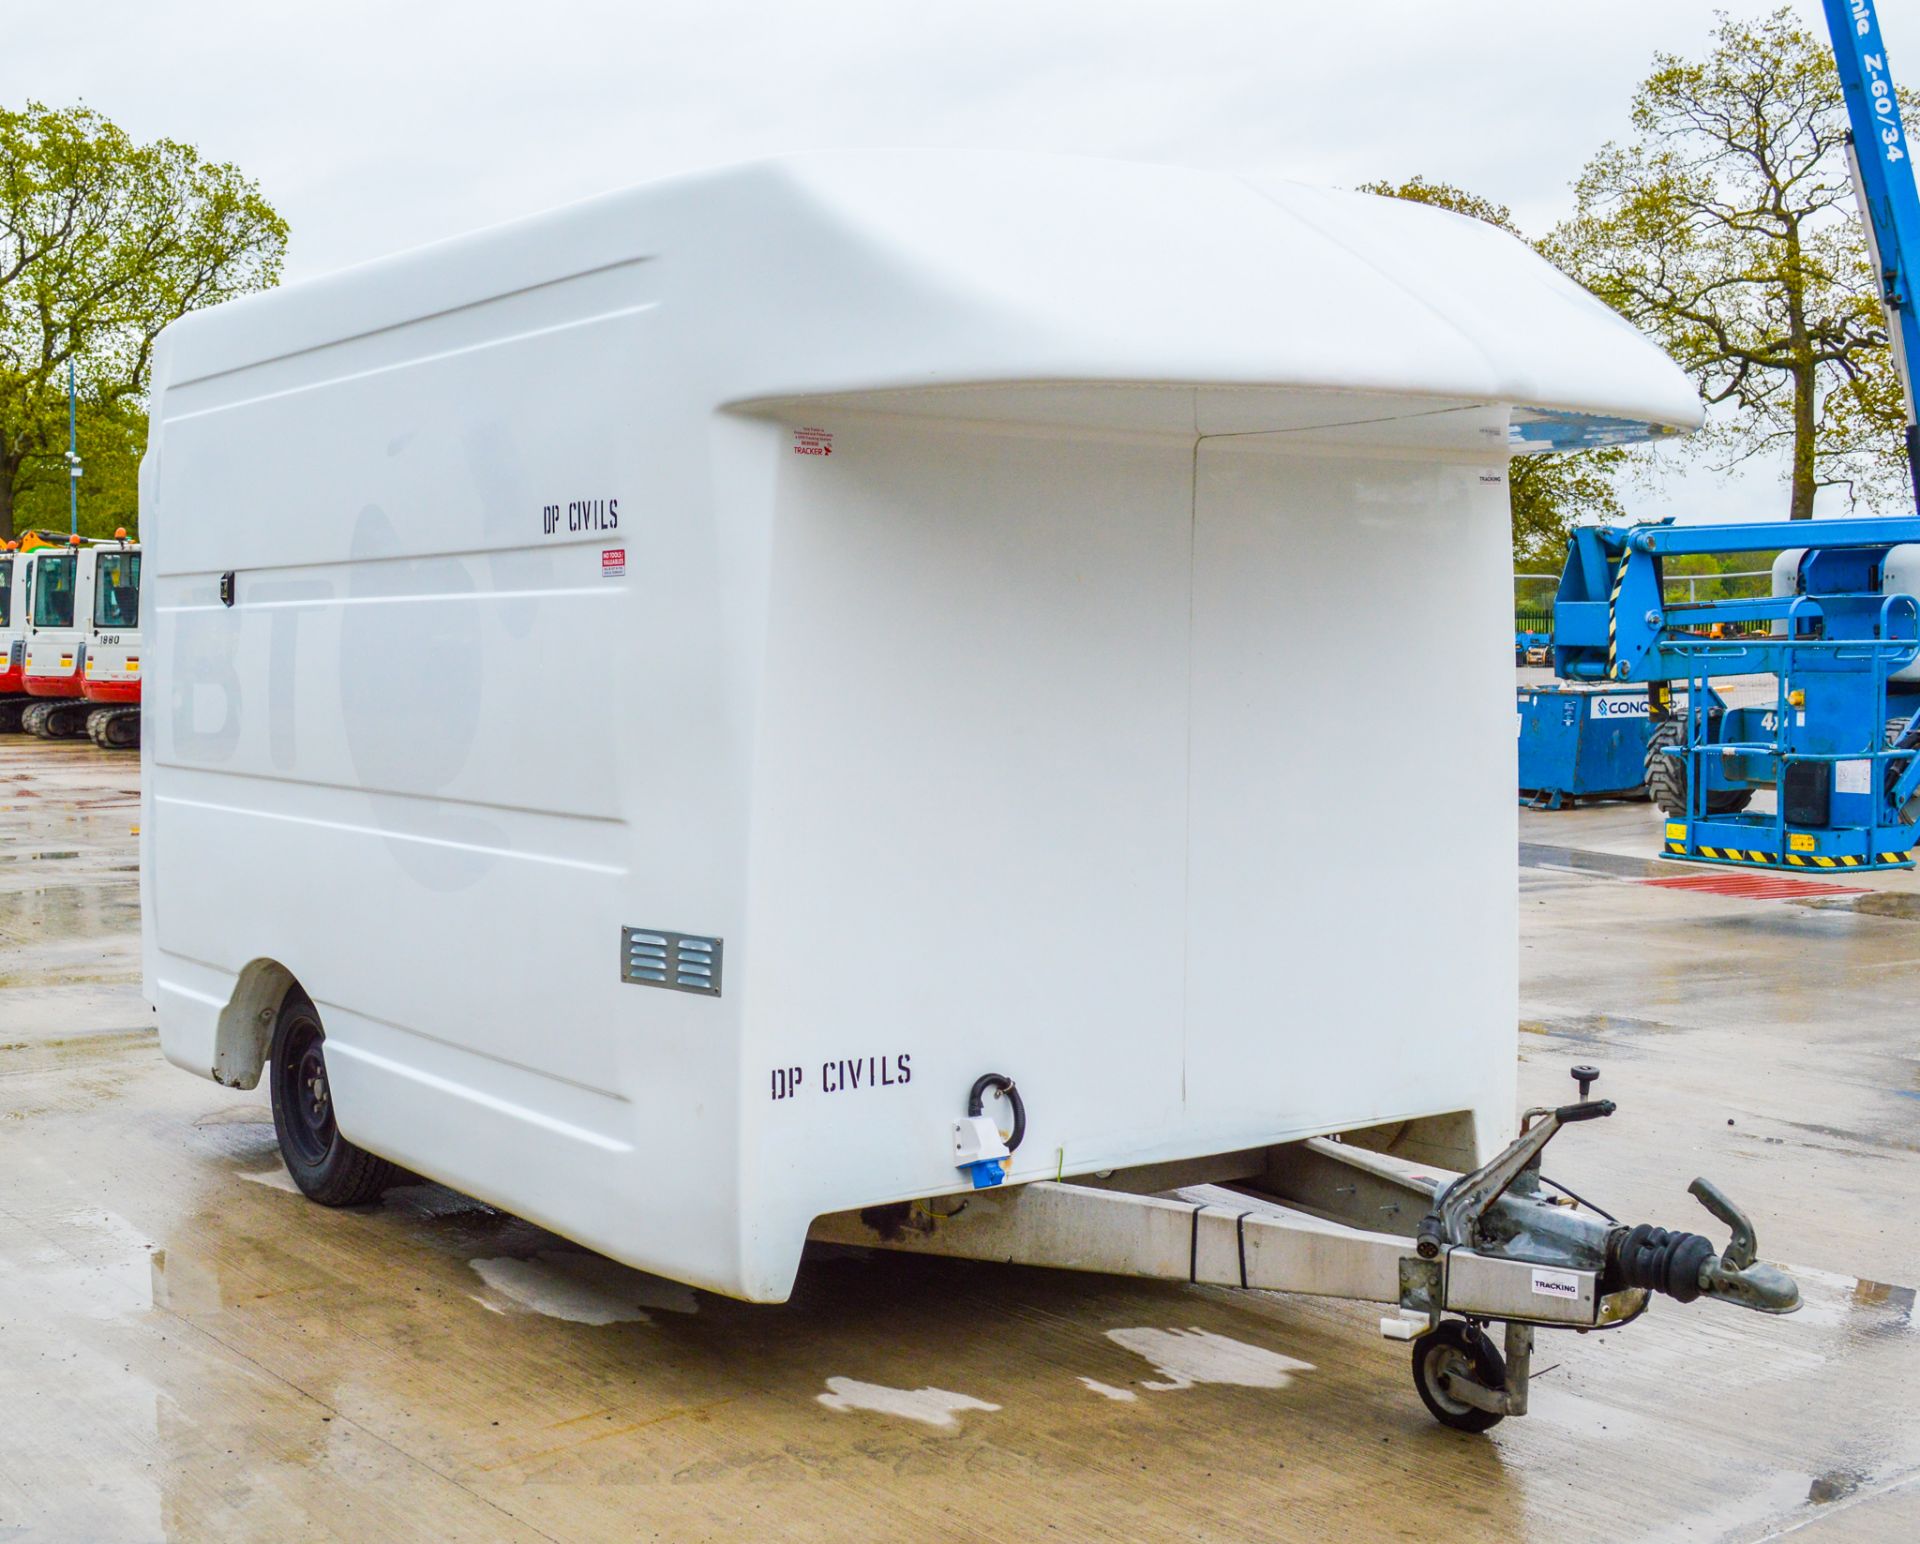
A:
[(682, 962)]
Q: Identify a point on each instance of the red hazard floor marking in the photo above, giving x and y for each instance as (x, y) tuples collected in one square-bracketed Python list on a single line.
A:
[(1754, 887)]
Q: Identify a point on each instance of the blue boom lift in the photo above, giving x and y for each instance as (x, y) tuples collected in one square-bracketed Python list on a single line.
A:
[(1882, 164), (1839, 741)]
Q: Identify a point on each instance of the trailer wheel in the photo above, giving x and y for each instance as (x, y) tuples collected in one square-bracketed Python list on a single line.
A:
[(1667, 776), (324, 1164), (1457, 1349)]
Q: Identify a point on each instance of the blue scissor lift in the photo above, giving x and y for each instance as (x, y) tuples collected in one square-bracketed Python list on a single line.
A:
[(1838, 741)]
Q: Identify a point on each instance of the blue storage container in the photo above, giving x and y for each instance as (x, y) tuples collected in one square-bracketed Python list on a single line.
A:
[(1582, 742)]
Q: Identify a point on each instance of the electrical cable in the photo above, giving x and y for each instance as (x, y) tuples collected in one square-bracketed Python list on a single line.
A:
[(1578, 1199), (976, 1102)]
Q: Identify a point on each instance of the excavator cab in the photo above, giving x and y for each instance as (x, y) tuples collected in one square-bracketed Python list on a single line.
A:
[(15, 566), (56, 643), (111, 670)]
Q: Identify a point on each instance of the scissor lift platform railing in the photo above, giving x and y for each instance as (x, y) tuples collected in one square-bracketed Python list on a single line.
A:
[(1860, 666)]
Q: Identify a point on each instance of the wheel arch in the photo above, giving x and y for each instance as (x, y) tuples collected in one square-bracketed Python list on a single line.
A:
[(245, 1025)]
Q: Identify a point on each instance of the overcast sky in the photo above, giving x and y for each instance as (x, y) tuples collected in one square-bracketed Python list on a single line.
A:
[(379, 124)]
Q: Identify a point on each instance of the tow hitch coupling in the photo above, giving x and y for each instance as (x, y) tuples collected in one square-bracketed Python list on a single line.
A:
[(1497, 1246)]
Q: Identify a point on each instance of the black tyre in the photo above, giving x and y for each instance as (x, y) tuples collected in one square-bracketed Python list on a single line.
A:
[(1457, 1349), (1893, 739), (1667, 776), (10, 710), (33, 718), (324, 1164)]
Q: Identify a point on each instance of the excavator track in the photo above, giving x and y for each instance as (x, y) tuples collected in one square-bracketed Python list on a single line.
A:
[(63, 718), (115, 729)]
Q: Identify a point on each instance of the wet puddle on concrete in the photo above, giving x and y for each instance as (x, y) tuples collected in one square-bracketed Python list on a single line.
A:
[(581, 1288), (237, 1115), (1185, 1358), (1902, 905), (929, 1406)]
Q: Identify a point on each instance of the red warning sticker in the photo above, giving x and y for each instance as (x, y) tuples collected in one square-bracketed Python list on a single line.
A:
[(613, 562), (813, 442)]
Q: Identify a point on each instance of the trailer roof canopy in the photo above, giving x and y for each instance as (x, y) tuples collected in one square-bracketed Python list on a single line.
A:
[(1038, 288)]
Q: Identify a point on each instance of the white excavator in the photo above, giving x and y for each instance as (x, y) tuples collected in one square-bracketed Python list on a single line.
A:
[(37, 555), (66, 615), (14, 566), (110, 672), (58, 589)]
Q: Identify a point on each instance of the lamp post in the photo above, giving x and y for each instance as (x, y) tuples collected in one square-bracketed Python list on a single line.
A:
[(73, 458)]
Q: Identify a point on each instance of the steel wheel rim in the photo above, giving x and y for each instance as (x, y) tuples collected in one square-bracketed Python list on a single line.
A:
[(306, 1098), (1443, 1363)]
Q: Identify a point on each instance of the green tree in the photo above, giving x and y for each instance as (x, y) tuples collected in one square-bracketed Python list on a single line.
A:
[(1548, 492), (112, 437), (1444, 195), (1726, 229), (103, 242), (1705, 576)]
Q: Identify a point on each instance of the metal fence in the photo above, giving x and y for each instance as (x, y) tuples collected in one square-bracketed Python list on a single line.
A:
[(1533, 602), (1748, 585), (1533, 593)]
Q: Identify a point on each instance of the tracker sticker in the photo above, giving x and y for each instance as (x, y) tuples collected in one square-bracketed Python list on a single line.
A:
[(1561, 1284)]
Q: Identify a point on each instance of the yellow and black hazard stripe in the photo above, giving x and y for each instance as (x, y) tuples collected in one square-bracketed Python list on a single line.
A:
[(1734, 854), (1794, 859), (1615, 669)]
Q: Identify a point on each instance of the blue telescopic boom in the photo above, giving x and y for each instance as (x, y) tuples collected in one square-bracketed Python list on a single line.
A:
[(1882, 163)]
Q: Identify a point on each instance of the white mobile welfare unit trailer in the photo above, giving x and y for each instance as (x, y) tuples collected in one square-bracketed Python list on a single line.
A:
[(683, 686)]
